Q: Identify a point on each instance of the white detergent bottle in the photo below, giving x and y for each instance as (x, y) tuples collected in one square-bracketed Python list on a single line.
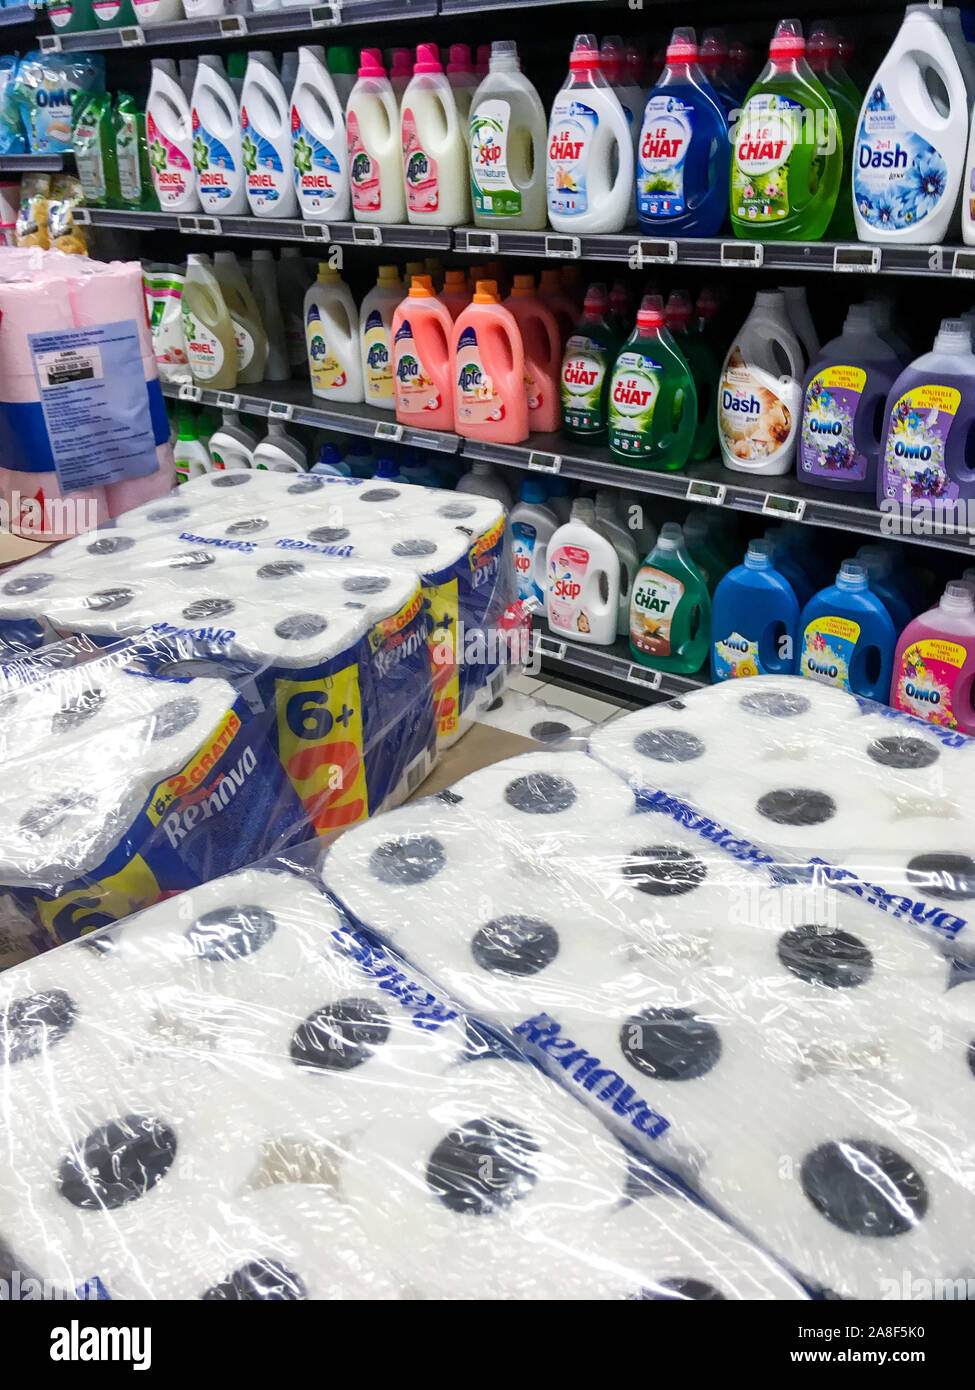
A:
[(217, 157), (296, 275), (462, 77), (583, 580), (483, 481), (191, 458), (169, 139), (607, 524), (507, 146), (797, 309), (332, 338), (950, 16), (187, 75), (589, 138), (319, 147), (232, 445), (531, 526), (630, 96), (289, 68), (204, 9), (280, 452), (375, 150), (375, 324), (434, 140), (265, 123), (909, 153), (264, 285), (249, 331), (760, 391)]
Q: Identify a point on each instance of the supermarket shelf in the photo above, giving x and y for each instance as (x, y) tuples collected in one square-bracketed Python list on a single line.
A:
[(613, 665), (12, 15), (270, 229), (30, 163)]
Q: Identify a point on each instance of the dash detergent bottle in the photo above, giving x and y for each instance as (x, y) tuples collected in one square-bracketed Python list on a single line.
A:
[(760, 392)]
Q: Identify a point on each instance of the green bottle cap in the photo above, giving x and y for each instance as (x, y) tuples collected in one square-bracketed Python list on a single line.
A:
[(341, 59), (187, 428), (236, 64)]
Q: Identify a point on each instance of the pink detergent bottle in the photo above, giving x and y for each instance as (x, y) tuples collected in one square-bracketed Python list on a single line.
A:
[(489, 371), (934, 665), (422, 362), (543, 355)]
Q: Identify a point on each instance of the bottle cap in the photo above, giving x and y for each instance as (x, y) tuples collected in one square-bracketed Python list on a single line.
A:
[(460, 58), (852, 575), (954, 335), (369, 65), (402, 63), (619, 299), (682, 47), (427, 58), (611, 58), (503, 51), (713, 51), (340, 58), (477, 272), (634, 64), (858, 319), (533, 491), (330, 453), (421, 287), (958, 597), (326, 271), (455, 280), (386, 467), (678, 310), (377, 53), (583, 510), (822, 48), (875, 560), (650, 313), (483, 59), (787, 41), (671, 536), (596, 301), (486, 292), (585, 53), (758, 555), (523, 286), (706, 306), (388, 274), (187, 428)]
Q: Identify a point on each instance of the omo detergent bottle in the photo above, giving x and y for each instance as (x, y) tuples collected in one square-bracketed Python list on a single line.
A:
[(652, 400), (586, 363), (934, 667), (755, 619), (683, 154), (847, 636), (882, 578), (670, 610), (787, 162)]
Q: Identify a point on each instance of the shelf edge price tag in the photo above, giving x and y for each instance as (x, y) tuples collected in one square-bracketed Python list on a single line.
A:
[(185, 223), (963, 264), (81, 217), (544, 463), (639, 675), (208, 226), (857, 258), (700, 491), (386, 429), (367, 235), (478, 241), (748, 255), (565, 247), (280, 410), (189, 392), (776, 505), (656, 252), (227, 400), (50, 43), (324, 16), (315, 231), (549, 646), (132, 36), (233, 26)]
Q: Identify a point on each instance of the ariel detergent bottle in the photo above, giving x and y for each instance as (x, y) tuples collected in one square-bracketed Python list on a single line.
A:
[(586, 364), (590, 165), (683, 154), (169, 135), (759, 395), (847, 637), (670, 610), (787, 162), (265, 123), (652, 400), (319, 145), (754, 620), (934, 666), (217, 157)]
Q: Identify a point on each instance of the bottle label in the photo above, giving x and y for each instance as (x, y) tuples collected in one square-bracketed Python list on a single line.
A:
[(492, 189), (827, 448), (478, 403), (926, 680), (632, 396), (914, 449), (665, 139), (653, 605), (753, 420), (416, 390), (898, 178), (317, 171), (367, 193), (327, 372), (736, 656), (263, 166), (145, 10), (90, 161), (204, 351), (216, 172), (767, 132), (583, 375), (828, 644), (127, 155), (171, 172), (59, 12), (571, 133), (378, 358), (523, 541), (245, 347), (419, 170), (106, 11), (567, 570)]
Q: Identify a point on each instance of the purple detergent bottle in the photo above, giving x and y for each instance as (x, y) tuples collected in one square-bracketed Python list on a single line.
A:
[(928, 453)]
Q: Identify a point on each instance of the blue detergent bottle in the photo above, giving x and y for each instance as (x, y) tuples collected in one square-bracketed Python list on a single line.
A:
[(358, 455), (684, 154), (754, 619), (884, 580), (847, 637), (388, 470), (330, 463), (788, 565)]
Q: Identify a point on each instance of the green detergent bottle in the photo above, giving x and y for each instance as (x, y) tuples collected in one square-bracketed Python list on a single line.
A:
[(787, 163), (670, 608), (94, 149), (70, 16), (652, 400), (695, 346), (699, 540), (136, 188), (824, 59), (586, 367)]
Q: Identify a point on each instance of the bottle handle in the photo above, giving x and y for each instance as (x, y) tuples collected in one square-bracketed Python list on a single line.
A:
[(626, 168)]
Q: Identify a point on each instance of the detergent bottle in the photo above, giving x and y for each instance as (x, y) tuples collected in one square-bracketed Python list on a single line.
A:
[(113, 14), (552, 292), (375, 326), (582, 579), (342, 70), (489, 365), (375, 152), (232, 444), (621, 308), (319, 144), (435, 164), (788, 562), (683, 153), (670, 613), (607, 523), (927, 425), (330, 464), (208, 330), (800, 320), (652, 400), (422, 359), (824, 58), (169, 135), (588, 137), (280, 452), (881, 576), (531, 526), (704, 549), (190, 456), (760, 395), (587, 364), (559, 496), (612, 63), (332, 335), (456, 293), (909, 157), (695, 348), (717, 69), (265, 122), (93, 138), (507, 146), (132, 155), (846, 389), (217, 157), (847, 637), (400, 72), (70, 16), (264, 287), (483, 481), (934, 665), (755, 620), (462, 77), (882, 311), (295, 278), (787, 161), (249, 333), (543, 354)]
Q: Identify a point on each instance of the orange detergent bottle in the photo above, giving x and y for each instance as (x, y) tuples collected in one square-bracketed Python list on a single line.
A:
[(543, 354), (489, 371), (422, 360)]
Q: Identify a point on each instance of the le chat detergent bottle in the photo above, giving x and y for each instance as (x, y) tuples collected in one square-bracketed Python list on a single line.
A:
[(670, 609), (652, 400), (586, 365), (588, 139)]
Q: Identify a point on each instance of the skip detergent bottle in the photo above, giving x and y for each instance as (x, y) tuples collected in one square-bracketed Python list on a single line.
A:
[(847, 636), (754, 620)]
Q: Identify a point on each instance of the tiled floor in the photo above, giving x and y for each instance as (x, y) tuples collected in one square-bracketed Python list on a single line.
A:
[(595, 708)]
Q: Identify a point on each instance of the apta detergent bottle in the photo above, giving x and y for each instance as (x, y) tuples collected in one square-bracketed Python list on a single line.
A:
[(375, 151), (332, 335), (423, 378), (375, 328), (543, 354), (434, 139)]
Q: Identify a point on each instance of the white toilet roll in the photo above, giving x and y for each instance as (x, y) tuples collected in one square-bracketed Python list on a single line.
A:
[(785, 699), (930, 885), (517, 713), (818, 810), (545, 793), (64, 826), (676, 747)]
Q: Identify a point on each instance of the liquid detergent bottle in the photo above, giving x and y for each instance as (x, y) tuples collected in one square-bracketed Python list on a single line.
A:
[(800, 320), (552, 292), (879, 565), (652, 400), (400, 72), (695, 348), (909, 156), (531, 526), (113, 14), (169, 136), (823, 52), (217, 158), (543, 355), (755, 620), (927, 425), (456, 293), (789, 564), (249, 331), (342, 70), (422, 360), (846, 636), (587, 364), (713, 57), (375, 327), (621, 308), (588, 138), (132, 155), (483, 481), (375, 150), (295, 278), (94, 149), (559, 493), (434, 141), (683, 154), (507, 146), (699, 538), (629, 95), (265, 123), (462, 77), (760, 395), (787, 161), (264, 286), (319, 144), (330, 463), (490, 400), (232, 444), (670, 612), (190, 457), (332, 335), (934, 665), (208, 330), (582, 579), (842, 413), (623, 542), (280, 452), (70, 16)]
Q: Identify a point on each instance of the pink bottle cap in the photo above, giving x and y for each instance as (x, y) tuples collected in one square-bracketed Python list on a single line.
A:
[(427, 58), (682, 47), (679, 309), (585, 54), (483, 59), (402, 63), (460, 58), (650, 313), (369, 64), (787, 41), (596, 300)]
